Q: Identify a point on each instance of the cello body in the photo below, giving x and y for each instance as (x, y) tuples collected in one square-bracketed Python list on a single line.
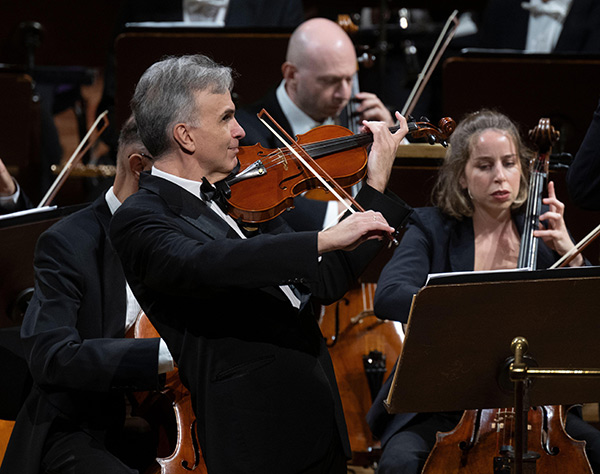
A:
[(183, 453), (363, 349), (483, 442)]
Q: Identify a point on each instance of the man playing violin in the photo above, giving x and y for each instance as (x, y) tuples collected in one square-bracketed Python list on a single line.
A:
[(235, 311)]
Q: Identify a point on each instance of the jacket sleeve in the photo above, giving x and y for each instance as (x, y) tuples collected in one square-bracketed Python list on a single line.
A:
[(57, 353), (404, 274)]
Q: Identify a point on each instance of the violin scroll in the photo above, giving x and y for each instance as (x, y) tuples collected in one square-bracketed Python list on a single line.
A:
[(433, 134)]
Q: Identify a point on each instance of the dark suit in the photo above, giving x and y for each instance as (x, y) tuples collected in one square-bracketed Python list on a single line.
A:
[(433, 243), (583, 178), (73, 340), (261, 379), (256, 132), (505, 24)]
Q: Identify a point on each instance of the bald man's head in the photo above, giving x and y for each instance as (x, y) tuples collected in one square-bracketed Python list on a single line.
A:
[(319, 68)]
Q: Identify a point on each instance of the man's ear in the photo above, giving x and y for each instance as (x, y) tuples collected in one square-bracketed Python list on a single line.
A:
[(288, 71), (183, 138), (136, 164)]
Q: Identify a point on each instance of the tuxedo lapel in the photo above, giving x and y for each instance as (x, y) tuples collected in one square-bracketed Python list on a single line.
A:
[(187, 206)]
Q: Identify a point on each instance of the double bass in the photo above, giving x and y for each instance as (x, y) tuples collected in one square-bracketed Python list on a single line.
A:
[(485, 440)]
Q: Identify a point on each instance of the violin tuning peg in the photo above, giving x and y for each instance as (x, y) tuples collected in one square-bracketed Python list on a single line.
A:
[(410, 118), (431, 139), (424, 119)]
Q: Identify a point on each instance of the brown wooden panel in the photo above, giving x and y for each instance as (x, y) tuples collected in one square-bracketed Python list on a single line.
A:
[(256, 57)]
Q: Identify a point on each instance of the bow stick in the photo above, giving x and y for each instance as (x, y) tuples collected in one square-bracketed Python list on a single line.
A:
[(83, 146)]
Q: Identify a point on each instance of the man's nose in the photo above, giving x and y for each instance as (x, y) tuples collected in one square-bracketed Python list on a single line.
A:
[(237, 131)]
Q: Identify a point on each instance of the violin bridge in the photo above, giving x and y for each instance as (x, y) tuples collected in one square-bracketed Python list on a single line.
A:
[(283, 159)]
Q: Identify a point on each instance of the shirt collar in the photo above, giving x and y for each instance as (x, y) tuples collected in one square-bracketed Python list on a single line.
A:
[(299, 121), (187, 184), (111, 200), (556, 9)]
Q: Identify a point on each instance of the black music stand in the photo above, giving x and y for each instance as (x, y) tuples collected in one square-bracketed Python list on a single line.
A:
[(457, 350)]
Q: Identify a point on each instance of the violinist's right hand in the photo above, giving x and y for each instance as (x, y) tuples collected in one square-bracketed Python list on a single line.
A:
[(353, 231), (383, 151)]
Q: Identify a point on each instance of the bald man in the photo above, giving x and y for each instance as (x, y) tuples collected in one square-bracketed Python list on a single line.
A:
[(317, 85)]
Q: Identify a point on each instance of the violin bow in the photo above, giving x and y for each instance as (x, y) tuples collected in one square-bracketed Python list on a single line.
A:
[(434, 58), (81, 149), (582, 244)]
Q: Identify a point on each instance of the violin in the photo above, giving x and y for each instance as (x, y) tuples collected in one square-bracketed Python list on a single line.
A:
[(269, 179)]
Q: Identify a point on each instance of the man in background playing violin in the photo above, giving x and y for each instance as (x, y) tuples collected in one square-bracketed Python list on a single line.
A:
[(235, 310)]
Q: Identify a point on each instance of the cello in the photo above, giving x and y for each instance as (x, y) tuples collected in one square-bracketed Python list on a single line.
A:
[(484, 439), (360, 345), (184, 455)]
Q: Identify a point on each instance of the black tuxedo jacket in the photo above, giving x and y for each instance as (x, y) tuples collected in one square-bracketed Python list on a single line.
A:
[(22, 203), (583, 178), (73, 338), (505, 24), (261, 379)]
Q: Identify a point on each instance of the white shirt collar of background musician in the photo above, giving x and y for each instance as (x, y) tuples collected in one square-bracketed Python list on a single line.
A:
[(205, 12), (299, 121), (546, 21)]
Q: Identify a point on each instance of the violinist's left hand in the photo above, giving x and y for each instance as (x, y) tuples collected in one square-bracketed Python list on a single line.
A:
[(383, 151), (371, 108), (556, 235)]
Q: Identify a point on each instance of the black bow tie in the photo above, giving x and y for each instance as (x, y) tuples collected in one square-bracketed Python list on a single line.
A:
[(218, 193)]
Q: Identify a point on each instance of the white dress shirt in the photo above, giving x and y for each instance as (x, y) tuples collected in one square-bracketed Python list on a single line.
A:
[(546, 21)]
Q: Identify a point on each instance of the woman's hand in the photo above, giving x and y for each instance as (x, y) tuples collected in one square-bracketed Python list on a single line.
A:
[(556, 235)]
